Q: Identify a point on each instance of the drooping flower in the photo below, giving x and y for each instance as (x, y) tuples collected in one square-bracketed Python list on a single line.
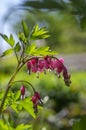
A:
[(66, 76), (47, 60), (32, 65), (57, 65), (41, 65), (22, 89), (36, 99), (29, 66)]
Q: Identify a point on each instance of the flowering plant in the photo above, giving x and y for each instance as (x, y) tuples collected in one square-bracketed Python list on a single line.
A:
[(38, 60)]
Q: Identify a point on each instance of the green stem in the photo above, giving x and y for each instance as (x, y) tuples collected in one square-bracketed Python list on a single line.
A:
[(16, 56), (8, 87), (19, 66)]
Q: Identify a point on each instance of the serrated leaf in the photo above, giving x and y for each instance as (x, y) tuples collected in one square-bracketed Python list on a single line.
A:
[(39, 33), (4, 37), (25, 29), (23, 127), (10, 40), (7, 52), (44, 52), (22, 37), (14, 107), (46, 48), (35, 28), (30, 49), (17, 47), (17, 95), (28, 106)]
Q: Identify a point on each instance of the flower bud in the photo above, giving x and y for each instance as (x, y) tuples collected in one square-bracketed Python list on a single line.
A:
[(22, 89)]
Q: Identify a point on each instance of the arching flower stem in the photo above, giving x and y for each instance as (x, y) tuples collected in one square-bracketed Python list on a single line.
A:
[(24, 81), (18, 68)]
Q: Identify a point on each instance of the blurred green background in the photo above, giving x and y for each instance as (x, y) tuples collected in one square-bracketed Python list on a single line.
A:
[(63, 106)]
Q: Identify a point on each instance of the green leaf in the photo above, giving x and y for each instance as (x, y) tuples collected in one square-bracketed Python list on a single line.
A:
[(4, 37), (25, 29), (23, 127), (7, 52), (39, 33), (44, 51), (19, 106), (28, 106), (14, 107), (3, 126), (30, 49), (19, 127), (35, 28), (10, 40), (22, 37), (17, 95), (17, 47)]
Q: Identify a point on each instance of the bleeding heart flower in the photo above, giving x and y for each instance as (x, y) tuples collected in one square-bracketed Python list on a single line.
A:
[(36, 99)]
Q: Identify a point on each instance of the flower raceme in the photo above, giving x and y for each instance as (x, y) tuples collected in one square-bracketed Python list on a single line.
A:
[(42, 64), (36, 99)]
